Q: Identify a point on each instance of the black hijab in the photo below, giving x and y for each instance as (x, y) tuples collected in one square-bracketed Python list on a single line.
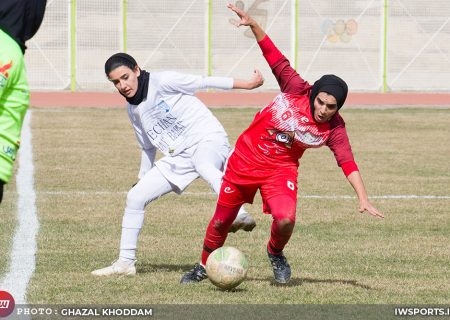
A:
[(123, 59), (142, 89), (330, 84), (21, 19)]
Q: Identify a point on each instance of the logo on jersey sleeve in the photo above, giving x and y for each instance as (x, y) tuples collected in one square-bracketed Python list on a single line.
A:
[(4, 73)]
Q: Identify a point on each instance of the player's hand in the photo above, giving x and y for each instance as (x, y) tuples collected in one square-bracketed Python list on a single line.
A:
[(367, 206), (257, 79), (246, 20)]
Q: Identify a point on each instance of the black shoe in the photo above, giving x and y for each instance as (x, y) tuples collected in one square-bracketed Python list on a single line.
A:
[(281, 268), (195, 275)]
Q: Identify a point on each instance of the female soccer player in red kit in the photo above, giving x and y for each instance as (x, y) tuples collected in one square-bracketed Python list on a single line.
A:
[(266, 155)]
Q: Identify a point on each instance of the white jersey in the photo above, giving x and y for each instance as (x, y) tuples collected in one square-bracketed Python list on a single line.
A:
[(171, 118)]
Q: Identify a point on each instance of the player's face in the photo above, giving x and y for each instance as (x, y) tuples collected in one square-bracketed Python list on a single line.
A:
[(325, 106), (125, 80)]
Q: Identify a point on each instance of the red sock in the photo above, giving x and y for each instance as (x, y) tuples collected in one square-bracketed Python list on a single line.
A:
[(217, 230), (283, 214)]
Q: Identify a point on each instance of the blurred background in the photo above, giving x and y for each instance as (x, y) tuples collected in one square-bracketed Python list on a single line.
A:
[(375, 45)]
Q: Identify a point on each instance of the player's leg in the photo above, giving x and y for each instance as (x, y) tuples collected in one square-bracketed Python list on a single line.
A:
[(282, 206), (14, 101), (209, 159), (226, 211), (283, 210), (216, 234), (152, 186)]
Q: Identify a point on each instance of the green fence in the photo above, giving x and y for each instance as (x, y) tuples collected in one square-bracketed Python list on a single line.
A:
[(375, 45)]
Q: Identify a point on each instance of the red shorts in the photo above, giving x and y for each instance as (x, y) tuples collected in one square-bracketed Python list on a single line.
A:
[(239, 186)]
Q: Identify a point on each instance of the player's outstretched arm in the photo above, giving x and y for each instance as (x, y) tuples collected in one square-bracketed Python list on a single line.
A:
[(357, 183), (246, 20), (288, 79), (255, 81)]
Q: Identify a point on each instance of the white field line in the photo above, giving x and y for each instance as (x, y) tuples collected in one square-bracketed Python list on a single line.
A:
[(312, 196), (22, 262)]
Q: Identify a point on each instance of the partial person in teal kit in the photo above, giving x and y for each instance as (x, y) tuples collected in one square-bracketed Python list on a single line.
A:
[(19, 22)]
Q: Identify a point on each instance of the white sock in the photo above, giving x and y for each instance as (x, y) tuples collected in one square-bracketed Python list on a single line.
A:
[(132, 223), (128, 244)]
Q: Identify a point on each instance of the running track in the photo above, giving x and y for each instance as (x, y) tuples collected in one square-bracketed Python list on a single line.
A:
[(238, 99)]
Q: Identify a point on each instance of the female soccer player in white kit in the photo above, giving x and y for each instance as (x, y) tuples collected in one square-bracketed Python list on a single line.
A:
[(167, 116)]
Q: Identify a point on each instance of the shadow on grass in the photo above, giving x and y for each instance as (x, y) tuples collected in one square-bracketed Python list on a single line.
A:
[(293, 283), (300, 281), (149, 267), (339, 281)]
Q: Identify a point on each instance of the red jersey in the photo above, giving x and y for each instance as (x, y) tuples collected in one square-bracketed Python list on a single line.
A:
[(282, 131)]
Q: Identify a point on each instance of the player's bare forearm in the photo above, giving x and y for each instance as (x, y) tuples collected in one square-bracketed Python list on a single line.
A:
[(357, 183), (246, 20), (255, 81), (355, 180)]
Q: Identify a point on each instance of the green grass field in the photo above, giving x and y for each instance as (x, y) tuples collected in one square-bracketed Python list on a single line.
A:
[(86, 160)]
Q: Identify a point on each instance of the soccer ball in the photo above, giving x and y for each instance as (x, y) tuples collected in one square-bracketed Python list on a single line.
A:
[(226, 267)]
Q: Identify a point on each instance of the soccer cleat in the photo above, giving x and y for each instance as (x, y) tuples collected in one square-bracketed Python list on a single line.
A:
[(281, 268), (118, 267), (244, 222), (195, 275)]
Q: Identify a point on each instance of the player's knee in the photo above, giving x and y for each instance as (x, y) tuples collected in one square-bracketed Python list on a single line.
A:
[(212, 176), (285, 220), (220, 226), (209, 172), (286, 225), (283, 209), (136, 200), (285, 213), (223, 218)]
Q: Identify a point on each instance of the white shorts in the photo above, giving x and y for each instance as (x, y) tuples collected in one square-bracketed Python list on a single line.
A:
[(180, 170)]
